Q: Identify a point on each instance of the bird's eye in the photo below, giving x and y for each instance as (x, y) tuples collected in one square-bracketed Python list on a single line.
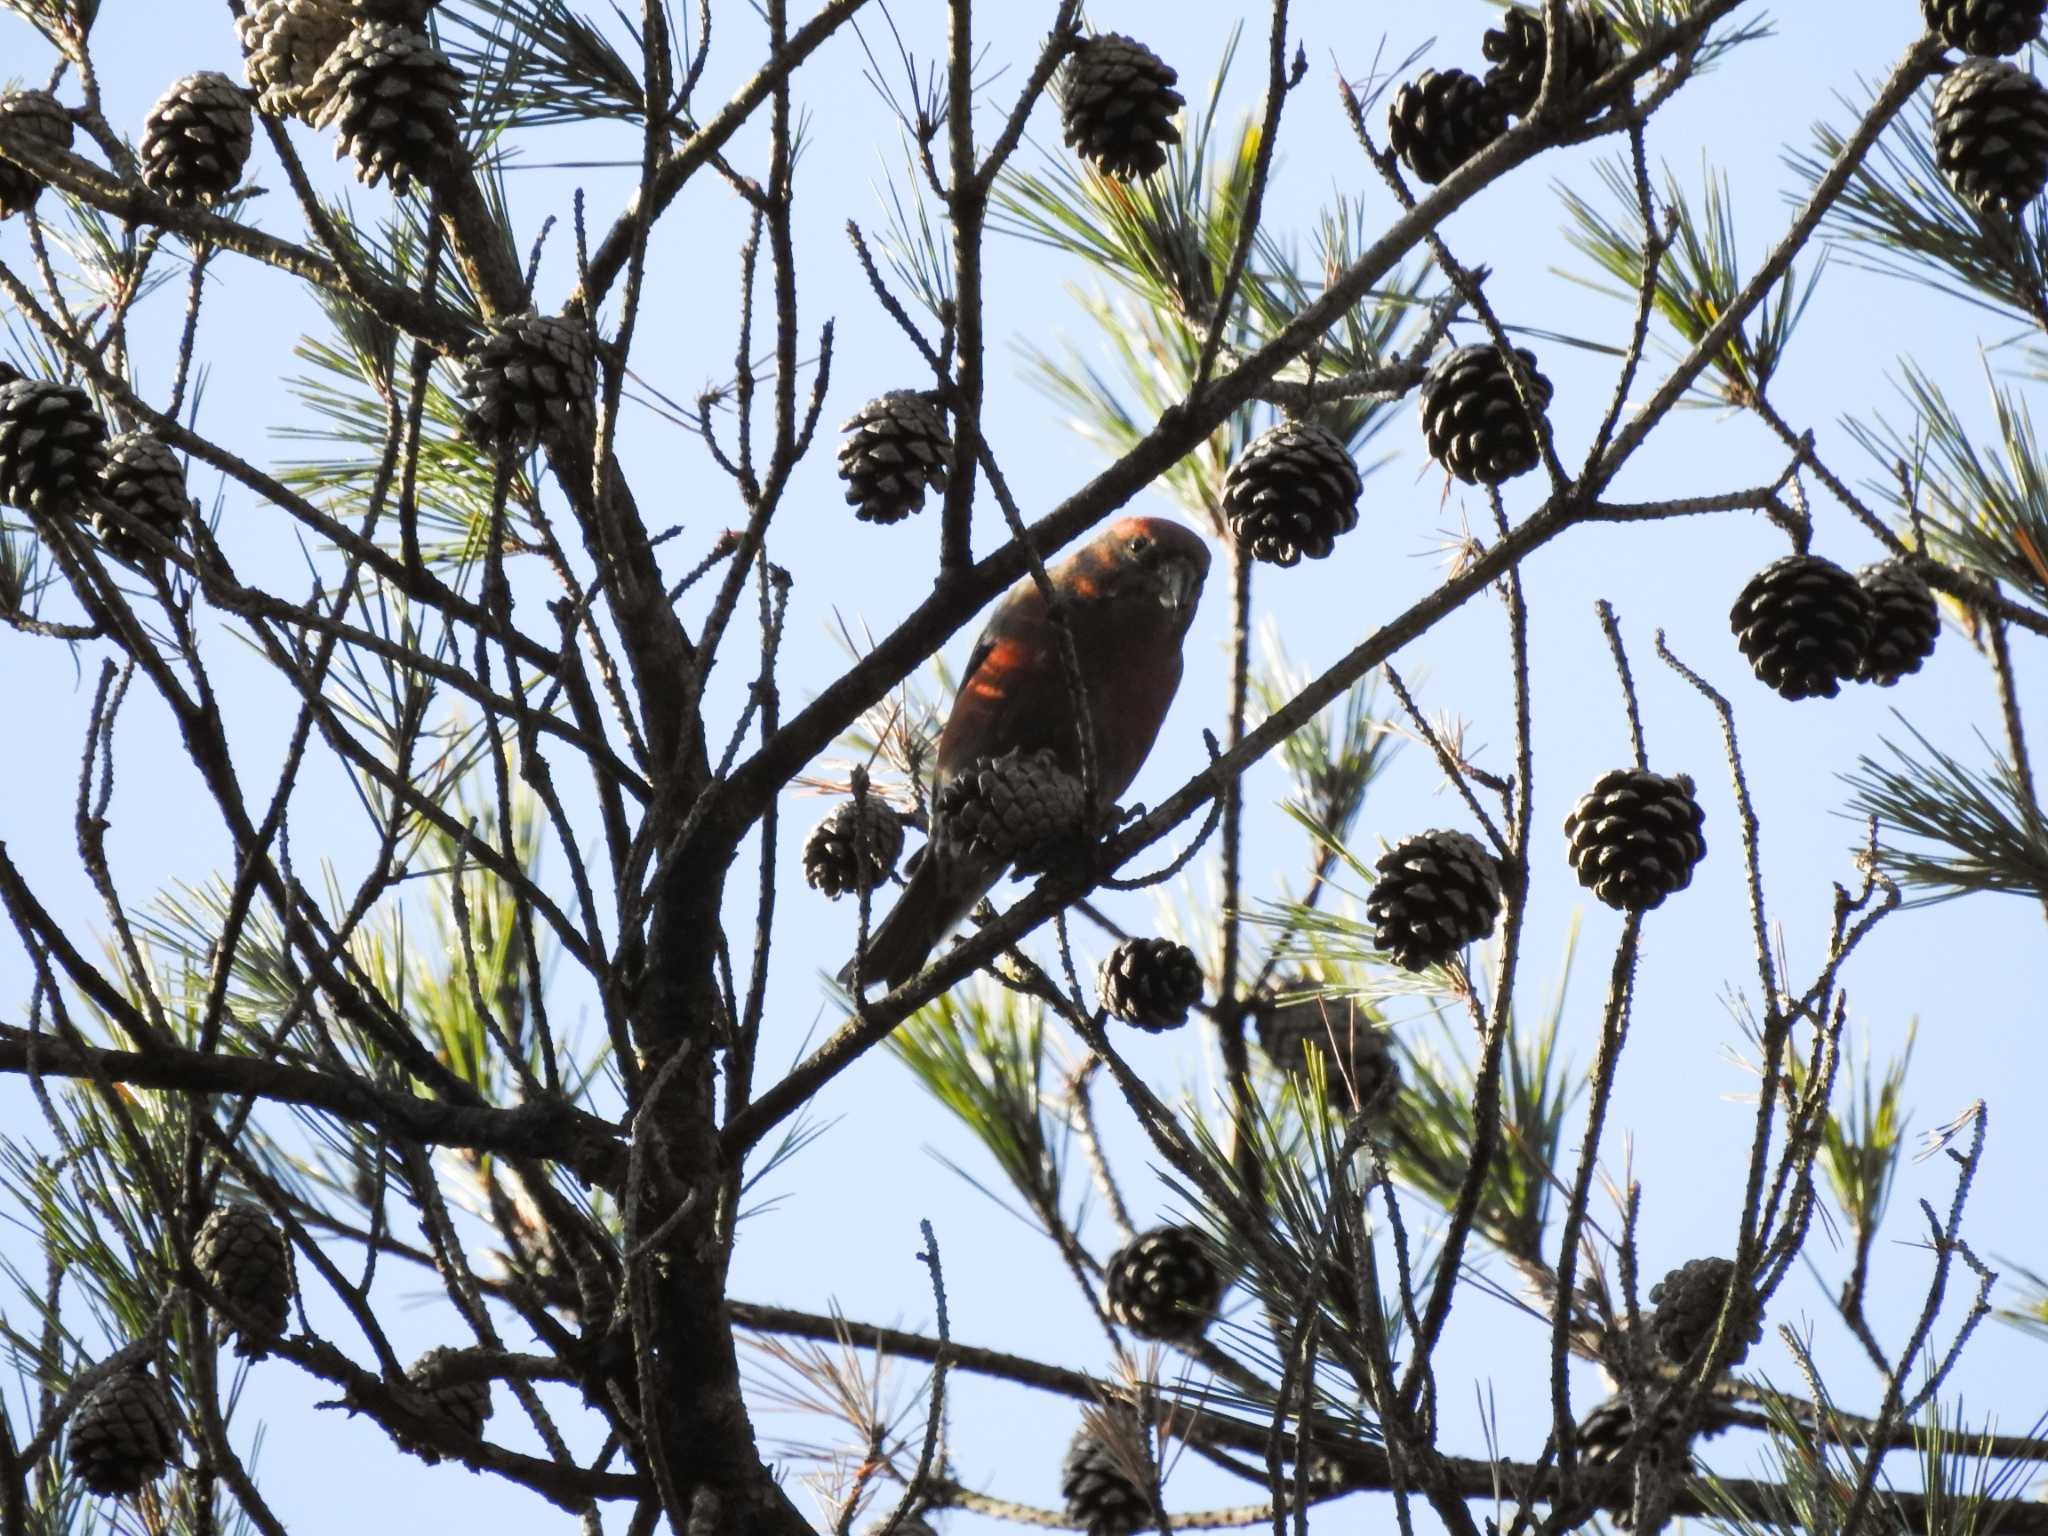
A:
[(1140, 543)]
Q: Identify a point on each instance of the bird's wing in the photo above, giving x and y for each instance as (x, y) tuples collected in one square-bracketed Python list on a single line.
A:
[(993, 710), (984, 643)]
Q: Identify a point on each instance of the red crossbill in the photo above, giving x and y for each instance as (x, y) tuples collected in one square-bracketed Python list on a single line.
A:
[(1130, 593)]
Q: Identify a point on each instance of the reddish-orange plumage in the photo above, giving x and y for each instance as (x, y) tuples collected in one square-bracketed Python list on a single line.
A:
[(1130, 593)]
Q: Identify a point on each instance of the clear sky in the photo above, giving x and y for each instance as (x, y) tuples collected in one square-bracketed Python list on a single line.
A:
[(845, 1228)]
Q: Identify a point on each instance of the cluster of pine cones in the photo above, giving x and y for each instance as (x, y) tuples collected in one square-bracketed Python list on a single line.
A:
[(1807, 625), (368, 69), (1990, 116), (58, 459), (1443, 117), (58, 463), (1117, 110), (124, 1433)]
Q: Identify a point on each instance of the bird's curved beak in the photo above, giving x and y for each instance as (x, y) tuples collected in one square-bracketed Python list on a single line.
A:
[(1180, 584)]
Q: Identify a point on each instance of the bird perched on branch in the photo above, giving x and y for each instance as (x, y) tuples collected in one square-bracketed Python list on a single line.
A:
[(1129, 593)]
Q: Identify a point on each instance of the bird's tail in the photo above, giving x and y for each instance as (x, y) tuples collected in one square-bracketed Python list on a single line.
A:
[(931, 906)]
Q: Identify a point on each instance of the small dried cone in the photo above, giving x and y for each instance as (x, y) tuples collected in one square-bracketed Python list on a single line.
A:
[(1473, 418), (1360, 1073), (1441, 119), (1635, 837), (53, 444), (123, 1436), (1012, 809), (833, 852), (1291, 493), (1165, 1284), (393, 97), (142, 484), (1436, 893), (1905, 622), (196, 139), (463, 1405), (1688, 1304), (895, 448), (1991, 134), (40, 118), (534, 377), (1803, 622), (1151, 983), (1987, 27), (244, 1256), (1117, 105), (285, 43), (1517, 48), (1100, 1482)]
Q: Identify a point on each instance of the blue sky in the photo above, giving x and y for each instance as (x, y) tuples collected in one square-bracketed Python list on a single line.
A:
[(845, 1228)]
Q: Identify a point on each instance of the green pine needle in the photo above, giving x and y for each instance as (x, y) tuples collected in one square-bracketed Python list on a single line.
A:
[(1974, 830), (1699, 279), (1435, 1129), (1984, 508), (1166, 243), (1862, 1141), (1900, 216), (538, 63), (981, 1052)]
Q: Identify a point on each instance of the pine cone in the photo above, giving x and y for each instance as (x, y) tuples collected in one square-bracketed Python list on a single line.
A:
[(1688, 1303), (1435, 894), (534, 377), (1517, 48), (1102, 1497), (393, 98), (1474, 421), (1291, 493), (896, 447), (463, 1405), (142, 483), (284, 45), (1165, 1284), (1904, 622), (244, 1256), (1117, 104), (123, 1436), (1803, 622), (1635, 837), (1441, 119), (40, 118), (1360, 1074), (1151, 983), (1987, 27), (52, 444), (196, 139), (832, 853), (1011, 809), (1991, 134)]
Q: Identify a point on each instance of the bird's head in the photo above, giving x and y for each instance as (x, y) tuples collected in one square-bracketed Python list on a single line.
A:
[(1151, 559)]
